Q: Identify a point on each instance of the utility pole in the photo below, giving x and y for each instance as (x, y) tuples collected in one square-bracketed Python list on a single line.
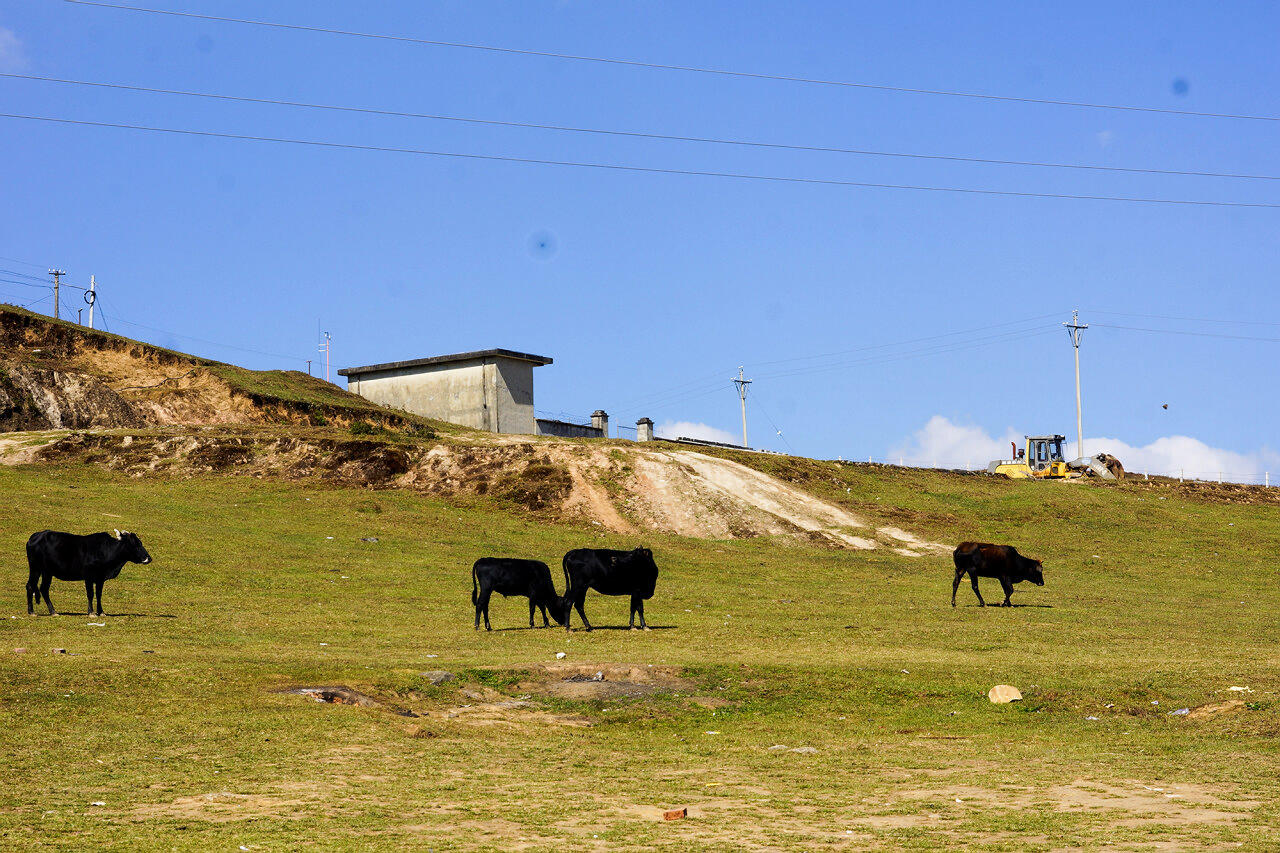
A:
[(1074, 329), (91, 296), (742, 392), (56, 274), (326, 348)]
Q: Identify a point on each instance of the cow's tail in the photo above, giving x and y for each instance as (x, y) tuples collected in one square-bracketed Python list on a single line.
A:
[(475, 591), (564, 564)]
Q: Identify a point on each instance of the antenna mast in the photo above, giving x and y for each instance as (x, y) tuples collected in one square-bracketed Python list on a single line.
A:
[(326, 348), (742, 392)]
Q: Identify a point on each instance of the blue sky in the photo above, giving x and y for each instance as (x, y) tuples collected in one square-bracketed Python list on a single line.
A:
[(874, 321)]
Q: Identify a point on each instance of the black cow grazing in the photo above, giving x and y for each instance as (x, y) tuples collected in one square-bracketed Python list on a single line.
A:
[(608, 572), (982, 559), (507, 576), (94, 559)]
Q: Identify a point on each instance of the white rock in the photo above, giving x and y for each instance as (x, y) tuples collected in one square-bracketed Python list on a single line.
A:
[(559, 655), (1004, 693)]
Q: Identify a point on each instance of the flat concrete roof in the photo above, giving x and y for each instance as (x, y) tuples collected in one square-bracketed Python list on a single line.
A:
[(536, 360)]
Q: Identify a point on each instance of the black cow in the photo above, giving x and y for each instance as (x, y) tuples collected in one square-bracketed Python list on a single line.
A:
[(508, 576), (94, 559), (982, 559), (608, 572)]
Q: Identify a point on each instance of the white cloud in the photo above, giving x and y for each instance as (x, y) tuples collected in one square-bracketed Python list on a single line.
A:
[(1182, 455), (944, 444), (12, 57), (687, 429)]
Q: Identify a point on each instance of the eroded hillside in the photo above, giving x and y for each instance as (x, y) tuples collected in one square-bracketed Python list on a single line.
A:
[(56, 375)]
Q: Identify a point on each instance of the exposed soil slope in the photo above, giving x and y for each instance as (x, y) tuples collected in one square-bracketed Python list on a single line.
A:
[(55, 375)]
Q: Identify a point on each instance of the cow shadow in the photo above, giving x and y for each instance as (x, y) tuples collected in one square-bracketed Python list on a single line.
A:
[(999, 607), (144, 615), (625, 628)]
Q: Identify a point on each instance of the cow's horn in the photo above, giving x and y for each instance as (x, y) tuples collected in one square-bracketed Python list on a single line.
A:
[(117, 534)]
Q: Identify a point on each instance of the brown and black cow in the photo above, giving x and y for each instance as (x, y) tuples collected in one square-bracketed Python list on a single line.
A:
[(1003, 562)]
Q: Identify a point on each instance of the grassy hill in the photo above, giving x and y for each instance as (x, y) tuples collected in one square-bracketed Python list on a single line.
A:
[(173, 713)]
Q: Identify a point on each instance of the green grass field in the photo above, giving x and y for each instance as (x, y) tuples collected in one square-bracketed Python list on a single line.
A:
[(169, 715)]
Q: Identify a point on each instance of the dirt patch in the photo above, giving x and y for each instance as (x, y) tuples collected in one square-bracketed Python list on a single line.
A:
[(1213, 709), (587, 681), (226, 807), (1130, 803)]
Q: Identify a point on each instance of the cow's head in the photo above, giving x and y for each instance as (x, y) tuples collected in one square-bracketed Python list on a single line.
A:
[(559, 608), (1035, 571), (134, 551)]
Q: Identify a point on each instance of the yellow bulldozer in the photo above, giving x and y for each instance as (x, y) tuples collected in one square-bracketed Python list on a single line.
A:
[(1041, 459)]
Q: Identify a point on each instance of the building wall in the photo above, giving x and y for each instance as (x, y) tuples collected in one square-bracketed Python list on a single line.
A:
[(563, 429), (494, 394)]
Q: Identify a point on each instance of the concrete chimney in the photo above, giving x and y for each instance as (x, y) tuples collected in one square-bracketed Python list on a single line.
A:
[(644, 430), (600, 421)]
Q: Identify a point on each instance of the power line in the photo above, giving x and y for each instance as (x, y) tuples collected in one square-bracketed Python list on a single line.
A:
[(724, 72), (22, 275), (209, 342), (25, 263), (664, 137), (1192, 334), (653, 170), (1188, 319)]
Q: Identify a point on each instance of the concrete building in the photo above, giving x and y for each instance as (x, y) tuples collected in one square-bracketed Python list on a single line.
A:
[(487, 389)]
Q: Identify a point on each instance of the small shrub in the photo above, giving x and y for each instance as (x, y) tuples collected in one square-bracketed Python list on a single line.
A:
[(361, 428)]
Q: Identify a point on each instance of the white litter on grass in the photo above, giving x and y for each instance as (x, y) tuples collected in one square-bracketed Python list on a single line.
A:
[(778, 746), (98, 624), (1091, 718), (559, 655), (907, 671), (1241, 689), (324, 644), (97, 803), (328, 537), (1181, 712), (711, 733)]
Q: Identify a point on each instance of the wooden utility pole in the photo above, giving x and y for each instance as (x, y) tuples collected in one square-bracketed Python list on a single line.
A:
[(56, 274), (742, 392), (1074, 329)]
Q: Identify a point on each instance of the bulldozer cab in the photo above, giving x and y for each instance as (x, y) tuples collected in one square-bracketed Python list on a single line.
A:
[(1043, 451)]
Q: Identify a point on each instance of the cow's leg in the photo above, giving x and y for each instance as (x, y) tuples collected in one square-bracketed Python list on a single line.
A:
[(98, 590), (1008, 591), (956, 585), (88, 591), (545, 622), (532, 607), (577, 603), (482, 607), (637, 606), (45, 582), (974, 579), (33, 594)]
